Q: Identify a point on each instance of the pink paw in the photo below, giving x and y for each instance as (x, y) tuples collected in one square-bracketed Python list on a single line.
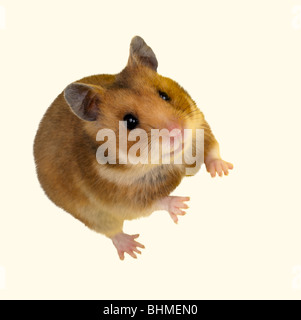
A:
[(127, 243), (175, 206), (218, 166)]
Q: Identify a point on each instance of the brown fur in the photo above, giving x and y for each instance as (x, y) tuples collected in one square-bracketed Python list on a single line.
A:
[(103, 196)]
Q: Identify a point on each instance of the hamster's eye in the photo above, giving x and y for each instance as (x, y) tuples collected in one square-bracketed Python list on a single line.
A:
[(164, 96), (131, 121)]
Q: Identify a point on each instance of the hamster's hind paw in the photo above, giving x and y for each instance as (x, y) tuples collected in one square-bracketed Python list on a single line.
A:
[(127, 243)]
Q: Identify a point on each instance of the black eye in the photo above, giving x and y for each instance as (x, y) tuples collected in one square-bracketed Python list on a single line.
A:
[(164, 96), (131, 121)]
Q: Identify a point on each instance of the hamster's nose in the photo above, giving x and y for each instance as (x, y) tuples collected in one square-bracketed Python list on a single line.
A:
[(174, 129)]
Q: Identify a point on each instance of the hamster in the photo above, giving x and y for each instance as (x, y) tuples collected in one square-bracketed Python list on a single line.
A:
[(103, 195)]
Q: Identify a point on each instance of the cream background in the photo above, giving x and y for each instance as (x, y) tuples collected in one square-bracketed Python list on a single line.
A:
[(240, 61)]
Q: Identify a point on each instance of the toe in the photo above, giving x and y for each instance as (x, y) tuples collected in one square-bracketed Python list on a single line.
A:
[(121, 255), (174, 217), (182, 213), (176, 211), (131, 253), (212, 171), (138, 244), (183, 198), (184, 206), (219, 169), (136, 250), (181, 204), (225, 168), (230, 165)]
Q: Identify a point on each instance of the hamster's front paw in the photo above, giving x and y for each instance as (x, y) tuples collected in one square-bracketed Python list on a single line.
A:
[(218, 166), (174, 206), (127, 243)]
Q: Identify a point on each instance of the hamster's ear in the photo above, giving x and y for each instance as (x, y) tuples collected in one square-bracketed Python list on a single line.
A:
[(84, 100), (141, 53)]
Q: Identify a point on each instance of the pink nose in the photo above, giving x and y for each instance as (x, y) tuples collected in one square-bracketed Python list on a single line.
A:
[(174, 129)]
